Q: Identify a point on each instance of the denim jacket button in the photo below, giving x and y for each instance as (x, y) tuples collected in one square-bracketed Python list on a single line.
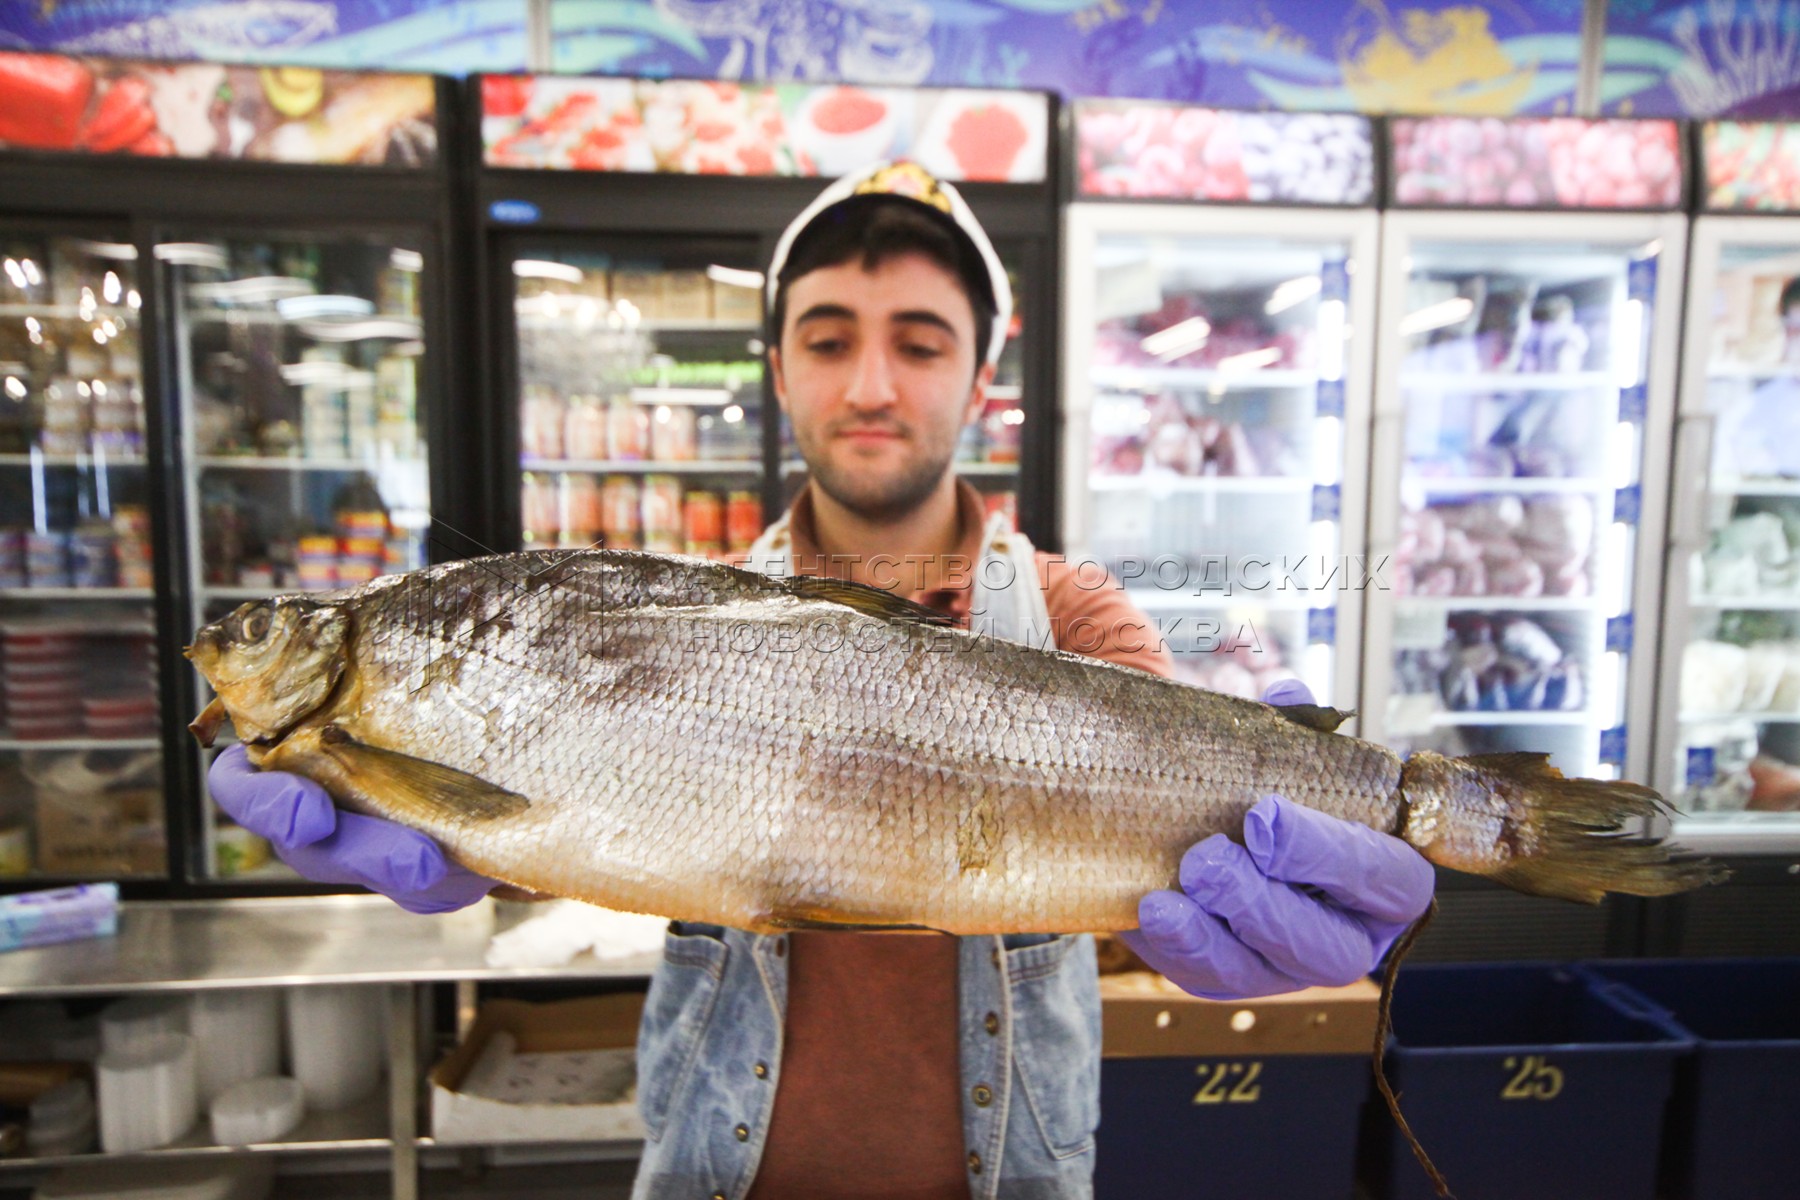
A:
[(984, 1095), (974, 1162), (991, 1023), (761, 1069), (742, 1133)]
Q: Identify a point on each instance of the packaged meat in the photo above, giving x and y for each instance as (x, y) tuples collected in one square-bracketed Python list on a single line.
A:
[(1763, 667), (1713, 676)]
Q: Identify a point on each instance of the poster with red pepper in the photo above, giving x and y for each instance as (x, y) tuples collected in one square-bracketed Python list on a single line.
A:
[(1130, 148), (1751, 166), (52, 102), (694, 127), (1548, 162)]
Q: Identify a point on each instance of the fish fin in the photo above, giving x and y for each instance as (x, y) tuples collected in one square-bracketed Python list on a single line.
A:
[(1320, 717), (1571, 839), (429, 790), (870, 601), (797, 916)]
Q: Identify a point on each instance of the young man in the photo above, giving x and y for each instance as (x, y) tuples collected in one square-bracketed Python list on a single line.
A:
[(911, 1065)]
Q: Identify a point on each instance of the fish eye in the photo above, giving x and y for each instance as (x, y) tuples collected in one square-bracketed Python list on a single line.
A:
[(256, 625)]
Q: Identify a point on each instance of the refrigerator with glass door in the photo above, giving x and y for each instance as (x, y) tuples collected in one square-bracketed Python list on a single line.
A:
[(1524, 394), (1728, 714), (236, 381), (1218, 342)]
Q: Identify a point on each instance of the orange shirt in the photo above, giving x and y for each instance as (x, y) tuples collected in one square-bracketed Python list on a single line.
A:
[(868, 1102)]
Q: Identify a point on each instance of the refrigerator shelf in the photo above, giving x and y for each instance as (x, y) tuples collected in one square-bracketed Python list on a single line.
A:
[(1139, 378), (1735, 486), (258, 593), (72, 460), (1443, 720), (1494, 381), (1761, 718), (532, 316), (642, 466), (1509, 484), (1259, 484), (1569, 604), (70, 312), (79, 743), (1747, 603), (1752, 371), (790, 469), (1158, 600), (231, 462), (76, 593)]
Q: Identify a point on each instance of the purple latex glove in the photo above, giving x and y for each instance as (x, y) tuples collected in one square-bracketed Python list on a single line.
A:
[(1242, 926), (327, 845)]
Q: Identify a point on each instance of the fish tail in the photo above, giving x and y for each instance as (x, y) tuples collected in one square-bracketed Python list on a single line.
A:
[(1518, 820)]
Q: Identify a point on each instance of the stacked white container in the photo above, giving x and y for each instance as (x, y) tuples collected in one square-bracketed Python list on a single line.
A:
[(335, 1039), (148, 1092), (241, 1030)]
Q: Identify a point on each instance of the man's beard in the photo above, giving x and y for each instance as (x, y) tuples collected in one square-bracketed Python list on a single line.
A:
[(881, 500)]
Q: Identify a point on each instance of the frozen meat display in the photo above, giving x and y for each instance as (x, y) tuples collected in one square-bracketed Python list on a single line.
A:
[(1536, 162)]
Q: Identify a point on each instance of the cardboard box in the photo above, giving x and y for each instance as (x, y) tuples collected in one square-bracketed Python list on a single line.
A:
[(115, 832), (1143, 1015), (591, 1023)]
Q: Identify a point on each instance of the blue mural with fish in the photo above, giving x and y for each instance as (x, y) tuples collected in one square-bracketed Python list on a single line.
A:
[(1698, 57)]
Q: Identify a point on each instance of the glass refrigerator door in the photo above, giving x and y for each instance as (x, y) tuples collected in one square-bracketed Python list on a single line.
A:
[(1735, 654), (1521, 371), (297, 364), (987, 453), (640, 397), (81, 793), (1215, 387)]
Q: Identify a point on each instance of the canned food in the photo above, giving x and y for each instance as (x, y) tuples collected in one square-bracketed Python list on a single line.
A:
[(620, 508), (662, 510), (703, 524), (743, 519), (578, 507)]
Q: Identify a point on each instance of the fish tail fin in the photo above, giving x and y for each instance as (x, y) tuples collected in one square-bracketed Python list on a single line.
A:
[(1518, 820)]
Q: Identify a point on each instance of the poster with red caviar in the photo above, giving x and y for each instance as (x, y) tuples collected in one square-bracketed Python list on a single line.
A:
[(1751, 165), (1128, 148), (695, 127), (74, 105), (1552, 162)]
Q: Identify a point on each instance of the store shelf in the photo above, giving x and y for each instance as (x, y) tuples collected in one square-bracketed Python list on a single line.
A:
[(71, 312), (1761, 718), (1744, 370), (1755, 487), (360, 1126), (230, 462), (180, 945), (72, 460), (77, 593), (1452, 719), (1292, 600), (1737, 833), (639, 466), (256, 593), (1505, 485), (534, 317), (1138, 378), (1491, 381), (1748, 603), (1571, 604), (79, 743), (1234, 484), (972, 469)]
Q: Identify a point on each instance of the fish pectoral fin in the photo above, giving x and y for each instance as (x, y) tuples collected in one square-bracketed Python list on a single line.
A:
[(870, 601), (784, 918), (1319, 717), (431, 790)]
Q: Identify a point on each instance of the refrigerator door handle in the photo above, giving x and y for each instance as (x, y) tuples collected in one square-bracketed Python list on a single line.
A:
[(1693, 461)]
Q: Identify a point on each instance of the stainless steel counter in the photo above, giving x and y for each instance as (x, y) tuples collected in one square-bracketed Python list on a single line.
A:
[(191, 944)]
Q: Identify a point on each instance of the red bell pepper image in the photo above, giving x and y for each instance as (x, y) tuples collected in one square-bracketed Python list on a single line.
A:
[(42, 99), (123, 116)]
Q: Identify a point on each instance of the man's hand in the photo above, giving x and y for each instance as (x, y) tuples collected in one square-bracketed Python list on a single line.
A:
[(328, 846), (1243, 926)]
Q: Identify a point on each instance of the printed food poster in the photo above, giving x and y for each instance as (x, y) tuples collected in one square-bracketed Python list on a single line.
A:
[(1164, 151), (1751, 165), (1558, 162), (708, 128), (206, 110)]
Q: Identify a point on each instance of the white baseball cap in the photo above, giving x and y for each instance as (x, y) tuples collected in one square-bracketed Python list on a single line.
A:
[(911, 182)]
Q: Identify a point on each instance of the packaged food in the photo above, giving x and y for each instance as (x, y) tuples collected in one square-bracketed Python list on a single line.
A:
[(743, 520), (686, 296), (662, 514), (578, 508), (537, 508), (397, 406), (627, 430), (541, 419), (620, 512), (586, 428), (672, 433), (702, 524), (736, 305)]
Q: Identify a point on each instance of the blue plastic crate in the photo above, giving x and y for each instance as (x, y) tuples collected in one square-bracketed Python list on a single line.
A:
[(1734, 1121), (1272, 1127), (1524, 1081)]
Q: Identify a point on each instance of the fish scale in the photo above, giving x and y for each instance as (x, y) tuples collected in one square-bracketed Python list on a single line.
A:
[(667, 735)]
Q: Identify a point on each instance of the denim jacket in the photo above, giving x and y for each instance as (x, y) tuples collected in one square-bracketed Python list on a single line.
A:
[(709, 1047)]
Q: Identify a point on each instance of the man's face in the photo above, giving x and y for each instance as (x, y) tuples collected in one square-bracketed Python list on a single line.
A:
[(876, 372)]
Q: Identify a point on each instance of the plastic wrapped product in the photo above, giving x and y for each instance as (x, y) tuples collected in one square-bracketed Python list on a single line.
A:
[(258, 1110), (1713, 676)]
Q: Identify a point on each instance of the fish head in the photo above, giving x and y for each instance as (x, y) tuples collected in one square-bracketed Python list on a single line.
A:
[(272, 663)]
